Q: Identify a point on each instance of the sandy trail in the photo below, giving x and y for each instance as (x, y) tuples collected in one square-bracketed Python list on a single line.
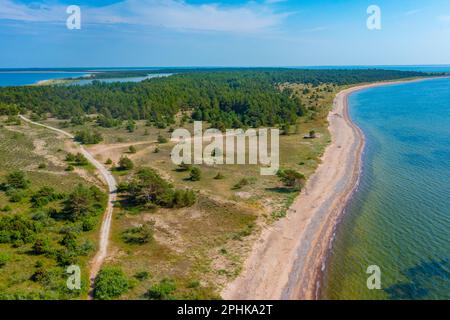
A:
[(287, 262), (101, 254)]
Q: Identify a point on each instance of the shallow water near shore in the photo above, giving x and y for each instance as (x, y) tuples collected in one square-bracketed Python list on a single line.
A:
[(399, 219)]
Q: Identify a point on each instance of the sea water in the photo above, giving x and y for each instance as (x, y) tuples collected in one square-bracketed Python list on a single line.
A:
[(399, 218)]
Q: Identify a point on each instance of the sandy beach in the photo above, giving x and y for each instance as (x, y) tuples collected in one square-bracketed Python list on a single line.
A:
[(287, 261)]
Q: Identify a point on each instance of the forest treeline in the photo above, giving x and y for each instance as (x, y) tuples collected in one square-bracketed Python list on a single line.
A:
[(224, 97)]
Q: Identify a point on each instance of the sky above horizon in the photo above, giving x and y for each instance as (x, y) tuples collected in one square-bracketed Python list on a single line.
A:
[(138, 33)]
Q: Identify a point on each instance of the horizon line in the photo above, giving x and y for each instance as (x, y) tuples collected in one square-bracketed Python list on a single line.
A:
[(224, 67)]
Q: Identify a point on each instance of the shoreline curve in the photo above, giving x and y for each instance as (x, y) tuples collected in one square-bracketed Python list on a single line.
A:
[(288, 260)]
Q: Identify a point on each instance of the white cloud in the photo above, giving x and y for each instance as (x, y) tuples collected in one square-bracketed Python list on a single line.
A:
[(174, 14), (34, 12), (316, 29), (274, 1), (413, 12), (444, 18)]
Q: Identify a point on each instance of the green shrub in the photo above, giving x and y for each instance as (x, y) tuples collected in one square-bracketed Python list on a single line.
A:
[(163, 290), (66, 257), (17, 180), (162, 139), (4, 258), (110, 283), (193, 284), (147, 188), (219, 176), (108, 121), (142, 275), (88, 224), (87, 247), (41, 246), (69, 240), (40, 275), (139, 235), (196, 174), (15, 196), (87, 136), (242, 183), (132, 149), (44, 196), (125, 164), (6, 209), (80, 160), (83, 202), (70, 157), (184, 167), (292, 178), (130, 126), (18, 229), (183, 198)]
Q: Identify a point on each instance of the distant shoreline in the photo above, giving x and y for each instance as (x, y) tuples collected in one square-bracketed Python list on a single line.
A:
[(289, 259), (321, 265)]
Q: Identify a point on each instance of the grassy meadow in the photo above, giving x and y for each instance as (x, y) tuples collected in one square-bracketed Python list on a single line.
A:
[(197, 250), (40, 154)]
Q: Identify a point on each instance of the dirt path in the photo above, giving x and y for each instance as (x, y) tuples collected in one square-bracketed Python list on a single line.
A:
[(101, 254)]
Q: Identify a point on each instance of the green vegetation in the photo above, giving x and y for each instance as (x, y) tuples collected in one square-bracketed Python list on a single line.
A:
[(83, 202), (37, 239), (183, 167), (242, 183), (8, 109), (232, 98), (4, 258), (15, 180), (162, 139), (171, 241), (125, 163), (219, 176), (44, 196), (139, 235), (292, 178), (107, 121), (88, 137), (111, 283), (195, 174), (148, 189), (142, 275), (131, 126), (77, 159), (163, 290)]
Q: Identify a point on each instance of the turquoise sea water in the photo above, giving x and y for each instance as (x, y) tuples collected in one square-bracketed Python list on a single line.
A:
[(19, 77), (14, 78), (399, 219), (129, 79)]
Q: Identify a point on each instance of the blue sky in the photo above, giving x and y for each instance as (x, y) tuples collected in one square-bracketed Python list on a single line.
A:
[(115, 33)]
